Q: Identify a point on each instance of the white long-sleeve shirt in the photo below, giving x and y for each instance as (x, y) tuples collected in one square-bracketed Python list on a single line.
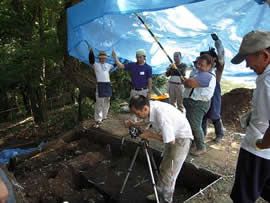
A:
[(260, 115)]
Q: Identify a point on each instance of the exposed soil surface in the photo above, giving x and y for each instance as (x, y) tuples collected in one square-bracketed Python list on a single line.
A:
[(77, 168), (63, 170), (234, 104)]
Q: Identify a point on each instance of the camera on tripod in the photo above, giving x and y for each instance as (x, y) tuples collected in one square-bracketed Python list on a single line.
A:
[(134, 132), (143, 144)]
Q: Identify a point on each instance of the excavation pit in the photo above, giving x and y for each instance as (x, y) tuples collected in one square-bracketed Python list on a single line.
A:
[(90, 166)]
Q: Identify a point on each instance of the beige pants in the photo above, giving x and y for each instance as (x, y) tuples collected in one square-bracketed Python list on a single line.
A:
[(101, 107), (136, 92), (171, 164), (176, 93)]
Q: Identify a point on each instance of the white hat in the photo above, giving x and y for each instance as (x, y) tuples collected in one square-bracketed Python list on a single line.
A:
[(140, 52), (252, 42)]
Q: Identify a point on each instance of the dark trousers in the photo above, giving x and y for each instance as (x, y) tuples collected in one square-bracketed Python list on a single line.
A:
[(195, 111), (252, 178), (217, 125)]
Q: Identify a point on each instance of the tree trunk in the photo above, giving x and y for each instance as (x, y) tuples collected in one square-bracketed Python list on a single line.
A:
[(35, 107), (79, 74), (41, 90), (80, 107), (26, 102)]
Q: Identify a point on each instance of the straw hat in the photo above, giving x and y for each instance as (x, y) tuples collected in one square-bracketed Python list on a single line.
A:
[(102, 54)]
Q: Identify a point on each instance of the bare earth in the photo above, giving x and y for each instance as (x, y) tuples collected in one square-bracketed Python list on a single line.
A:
[(50, 166), (220, 158)]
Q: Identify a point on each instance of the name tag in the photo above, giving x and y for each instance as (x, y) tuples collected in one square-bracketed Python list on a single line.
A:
[(141, 73)]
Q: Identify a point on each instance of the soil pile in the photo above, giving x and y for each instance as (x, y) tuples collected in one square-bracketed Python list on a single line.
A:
[(234, 104)]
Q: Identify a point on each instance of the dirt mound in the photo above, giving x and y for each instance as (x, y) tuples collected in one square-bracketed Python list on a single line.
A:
[(234, 104)]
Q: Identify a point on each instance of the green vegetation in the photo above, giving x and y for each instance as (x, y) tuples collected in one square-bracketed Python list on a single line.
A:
[(36, 73)]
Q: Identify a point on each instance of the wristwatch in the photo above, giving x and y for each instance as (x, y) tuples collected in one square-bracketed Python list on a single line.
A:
[(259, 141)]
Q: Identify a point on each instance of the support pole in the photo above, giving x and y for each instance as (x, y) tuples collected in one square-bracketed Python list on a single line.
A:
[(160, 45)]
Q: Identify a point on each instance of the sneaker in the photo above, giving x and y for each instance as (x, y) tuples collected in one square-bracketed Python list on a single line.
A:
[(151, 197), (97, 124), (217, 139), (198, 152)]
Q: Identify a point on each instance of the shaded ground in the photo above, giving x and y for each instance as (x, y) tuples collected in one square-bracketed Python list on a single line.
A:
[(90, 166), (220, 158)]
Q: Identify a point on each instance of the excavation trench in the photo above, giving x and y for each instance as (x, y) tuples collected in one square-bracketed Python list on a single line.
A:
[(91, 165)]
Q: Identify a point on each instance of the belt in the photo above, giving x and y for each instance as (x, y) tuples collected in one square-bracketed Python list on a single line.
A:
[(176, 83), (139, 89)]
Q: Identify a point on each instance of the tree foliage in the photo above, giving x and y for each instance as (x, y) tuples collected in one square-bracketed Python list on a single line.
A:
[(30, 54), (34, 63)]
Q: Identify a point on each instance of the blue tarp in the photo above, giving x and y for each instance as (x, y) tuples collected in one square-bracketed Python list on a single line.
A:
[(6, 154), (180, 25)]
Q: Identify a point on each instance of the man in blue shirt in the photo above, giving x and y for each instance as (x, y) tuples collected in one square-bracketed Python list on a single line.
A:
[(141, 74)]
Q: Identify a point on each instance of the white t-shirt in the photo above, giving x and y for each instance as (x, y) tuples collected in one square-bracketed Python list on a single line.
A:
[(102, 71), (260, 115), (169, 121)]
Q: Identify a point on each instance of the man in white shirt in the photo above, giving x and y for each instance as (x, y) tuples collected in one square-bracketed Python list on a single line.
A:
[(104, 88), (171, 127), (252, 177)]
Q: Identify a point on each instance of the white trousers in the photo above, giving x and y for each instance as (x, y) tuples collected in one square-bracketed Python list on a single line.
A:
[(171, 164), (101, 107)]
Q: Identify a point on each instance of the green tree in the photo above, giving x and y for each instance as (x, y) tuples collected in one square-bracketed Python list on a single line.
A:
[(30, 52)]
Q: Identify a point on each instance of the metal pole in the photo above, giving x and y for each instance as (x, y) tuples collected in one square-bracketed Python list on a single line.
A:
[(151, 171), (130, 169)]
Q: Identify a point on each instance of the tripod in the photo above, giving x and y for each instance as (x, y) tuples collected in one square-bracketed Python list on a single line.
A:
[(145, 145)]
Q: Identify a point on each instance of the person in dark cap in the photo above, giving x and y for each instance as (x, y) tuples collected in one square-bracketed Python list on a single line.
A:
[(252, 176), (104, 88)]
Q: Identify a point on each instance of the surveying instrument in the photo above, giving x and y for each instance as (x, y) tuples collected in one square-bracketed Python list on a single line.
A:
[(144, 144)]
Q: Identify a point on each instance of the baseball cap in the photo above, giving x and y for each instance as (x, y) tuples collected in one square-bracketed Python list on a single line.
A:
[(140, 52), (252, 42)]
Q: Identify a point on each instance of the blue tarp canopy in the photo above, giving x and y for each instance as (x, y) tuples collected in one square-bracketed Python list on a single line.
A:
[(180, 25)]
